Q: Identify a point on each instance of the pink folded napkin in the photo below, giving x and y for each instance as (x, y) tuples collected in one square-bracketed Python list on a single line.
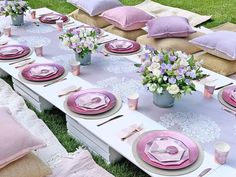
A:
[(160, 145), (92, 100), (121, 44), (11, 51), (233, 95), (43, 71), (52, 17)]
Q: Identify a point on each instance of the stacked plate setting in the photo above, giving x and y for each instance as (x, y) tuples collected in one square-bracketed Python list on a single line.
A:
[(42, 72), (52, 18), (167, 152), (11, 52), (122, 47), (227, 97)]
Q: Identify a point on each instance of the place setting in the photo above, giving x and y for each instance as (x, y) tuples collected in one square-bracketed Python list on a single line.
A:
[(92, 104), (122, 47), (51, 18), (167, 153), (227, 97), (14, 52), (45, 73)]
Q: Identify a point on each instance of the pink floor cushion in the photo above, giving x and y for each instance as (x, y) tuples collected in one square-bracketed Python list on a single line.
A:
[(127, 18), (15, 140)]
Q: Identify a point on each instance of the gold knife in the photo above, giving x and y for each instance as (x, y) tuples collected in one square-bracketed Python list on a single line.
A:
[(15, 62), (204, 172), (56, 81), (114, 118), (17, 67)]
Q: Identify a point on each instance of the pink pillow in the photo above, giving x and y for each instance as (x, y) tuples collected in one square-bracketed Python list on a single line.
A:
[(15, 140), (127, 18)]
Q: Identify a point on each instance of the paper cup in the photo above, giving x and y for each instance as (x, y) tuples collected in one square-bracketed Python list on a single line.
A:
[(38, 50), (7, 31), (221, 152), (75, 68), (133, 101), (209, 88), (33, 14), (59, 24)]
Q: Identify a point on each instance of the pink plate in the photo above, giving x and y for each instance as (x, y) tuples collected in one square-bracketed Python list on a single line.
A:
[(227, 95), (20, 51), (73, 106), (190, 144), (184, 157), (135, 47), (26, 72), (52, 18)]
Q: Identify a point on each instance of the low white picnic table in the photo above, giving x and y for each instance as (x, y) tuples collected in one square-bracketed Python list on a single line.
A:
[(108, 133)]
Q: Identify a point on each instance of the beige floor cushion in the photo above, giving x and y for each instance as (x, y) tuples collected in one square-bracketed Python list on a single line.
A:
[(216, 64), (27, 166), (220, 65), (171, 43), (85, 18), (160, 10), (132, 35)]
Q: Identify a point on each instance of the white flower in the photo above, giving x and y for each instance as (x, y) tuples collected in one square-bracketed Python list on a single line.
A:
[(152, 87), (183, 62), (155, 59), (173, 89), (154, 66), (159, 90), (66, 42), (156, 72), (182, 55), (74, 39)]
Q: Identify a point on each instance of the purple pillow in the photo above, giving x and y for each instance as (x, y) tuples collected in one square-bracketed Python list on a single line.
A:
[(171, 26), (127, 18), (95, 7), (15, 140), (221, 44)]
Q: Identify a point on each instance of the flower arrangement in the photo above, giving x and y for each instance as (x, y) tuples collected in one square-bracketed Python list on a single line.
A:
[(171, 71), (82, 40), (16, 8)]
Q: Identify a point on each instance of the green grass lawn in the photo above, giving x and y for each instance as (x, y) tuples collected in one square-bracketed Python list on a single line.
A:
[(221, 10)]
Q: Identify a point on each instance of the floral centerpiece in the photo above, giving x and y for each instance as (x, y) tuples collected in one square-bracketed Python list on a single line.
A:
[(16, 10), (83, 41), (169, 75)]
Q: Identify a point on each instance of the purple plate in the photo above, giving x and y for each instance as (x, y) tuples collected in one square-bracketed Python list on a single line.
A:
[(135, 47), (71, 102), (28, 76), (45, 18), (190, 144), (227, 95), (25, 51)]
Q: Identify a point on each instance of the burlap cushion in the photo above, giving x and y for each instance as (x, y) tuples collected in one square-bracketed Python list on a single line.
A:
[(27, 166), (132, 35), (216, 64), (86, 18), (171, 43)]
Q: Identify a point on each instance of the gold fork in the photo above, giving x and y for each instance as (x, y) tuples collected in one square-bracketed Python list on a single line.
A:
[(136, 130)]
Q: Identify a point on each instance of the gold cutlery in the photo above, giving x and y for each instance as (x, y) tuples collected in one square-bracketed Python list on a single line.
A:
[(54, 82), (15, 62), (204, 172), (229, 110), (107, 41), (220, 87), (31, 62), (136, 130), (114, 118), (71, 91)]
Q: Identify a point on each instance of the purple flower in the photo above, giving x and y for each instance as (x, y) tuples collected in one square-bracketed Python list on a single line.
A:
[(168, 67), (187, 81), (160, 56), (146, 56), (162, 71), (141, 69), (163, 66), (179, 77), (181, 70), (172, 58), (191, 74), (147, 63), (172, 80), (150, 48)]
